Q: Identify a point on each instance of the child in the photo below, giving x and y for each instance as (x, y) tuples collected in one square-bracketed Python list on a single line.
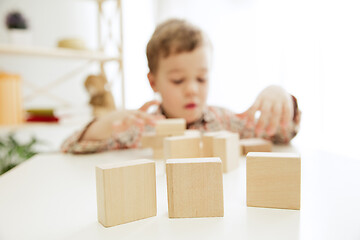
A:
[(179, 59)]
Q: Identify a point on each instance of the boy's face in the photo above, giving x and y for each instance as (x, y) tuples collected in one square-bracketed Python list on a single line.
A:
[(182, 81)]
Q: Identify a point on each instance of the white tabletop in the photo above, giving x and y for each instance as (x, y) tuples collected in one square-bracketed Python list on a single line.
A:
[(53, 196)]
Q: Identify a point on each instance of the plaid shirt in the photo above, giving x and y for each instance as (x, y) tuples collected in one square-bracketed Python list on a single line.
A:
[(213, 119)]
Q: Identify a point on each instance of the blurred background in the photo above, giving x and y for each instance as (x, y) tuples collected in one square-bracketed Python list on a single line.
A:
[(311, 48)]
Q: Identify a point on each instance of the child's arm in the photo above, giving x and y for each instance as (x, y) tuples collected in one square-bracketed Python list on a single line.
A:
[(116, 130)]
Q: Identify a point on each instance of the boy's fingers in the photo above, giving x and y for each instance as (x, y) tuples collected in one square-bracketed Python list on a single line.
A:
[(147, 105), (134, 120), (241, 115), (147, 118), (264, 118), (286, 115), (274, 120), (124, 124), (250, 113)]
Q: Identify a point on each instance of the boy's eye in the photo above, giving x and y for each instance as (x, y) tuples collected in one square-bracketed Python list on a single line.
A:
[(201, 80), (177, 81)]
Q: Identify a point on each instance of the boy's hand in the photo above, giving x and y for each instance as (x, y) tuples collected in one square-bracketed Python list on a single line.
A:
[(149, 104), (276, 107), (124, 120), (120, 121), (139, 118)]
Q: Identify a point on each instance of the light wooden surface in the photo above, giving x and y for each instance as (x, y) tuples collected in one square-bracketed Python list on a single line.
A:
[(273, 180), (182, 147), (156, 142), (170, 127), (53, 196), (152, 140), (192, 132), (195, 187), (208, 142), (56, 52), (254, 145), (158, 153), (226, 147), (126, 192)]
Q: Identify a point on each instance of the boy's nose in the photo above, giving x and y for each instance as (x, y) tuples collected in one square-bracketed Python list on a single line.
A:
[(192, 88)]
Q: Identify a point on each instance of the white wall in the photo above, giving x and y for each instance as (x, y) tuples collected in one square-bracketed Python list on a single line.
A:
[(310, 47), (138, 27)]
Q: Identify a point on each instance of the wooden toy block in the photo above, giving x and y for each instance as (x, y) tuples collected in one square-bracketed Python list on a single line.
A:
[(158, 153), (170, 127), (192, 132), (254, 145), (11, 103), (126, 192), (182, 147), (273, 180), (195, 187), (151, 140), (207, 143), (226, 146)]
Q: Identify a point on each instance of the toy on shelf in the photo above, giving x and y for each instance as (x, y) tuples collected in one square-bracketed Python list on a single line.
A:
[(41, 115), (11, 111), (18, 29), (101, 98), (72, 43)]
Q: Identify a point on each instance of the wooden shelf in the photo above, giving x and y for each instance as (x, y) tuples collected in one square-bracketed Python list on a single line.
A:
[(56, 52)]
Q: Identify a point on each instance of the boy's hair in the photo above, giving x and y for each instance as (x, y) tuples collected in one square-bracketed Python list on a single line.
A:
[(173, 36)]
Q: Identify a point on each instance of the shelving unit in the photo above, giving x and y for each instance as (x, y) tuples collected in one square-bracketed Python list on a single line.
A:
[(100, 56), (56, 53)]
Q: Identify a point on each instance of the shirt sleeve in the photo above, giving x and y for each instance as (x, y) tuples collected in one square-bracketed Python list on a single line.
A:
[(124, 140), (237, 124)]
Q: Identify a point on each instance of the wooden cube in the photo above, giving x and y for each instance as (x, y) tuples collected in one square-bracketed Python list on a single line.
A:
[(192, 132), (158, 153), (170, 127), (151, 140), (254, 145), (207, 143), (194, 187), (126, 192), (182, 147), (226, 146), (273, 180)]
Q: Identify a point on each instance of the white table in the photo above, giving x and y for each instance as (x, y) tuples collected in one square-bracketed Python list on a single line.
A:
[(53, 196)]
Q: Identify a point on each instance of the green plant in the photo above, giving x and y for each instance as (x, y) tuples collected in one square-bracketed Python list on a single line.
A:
[(13, 153)]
